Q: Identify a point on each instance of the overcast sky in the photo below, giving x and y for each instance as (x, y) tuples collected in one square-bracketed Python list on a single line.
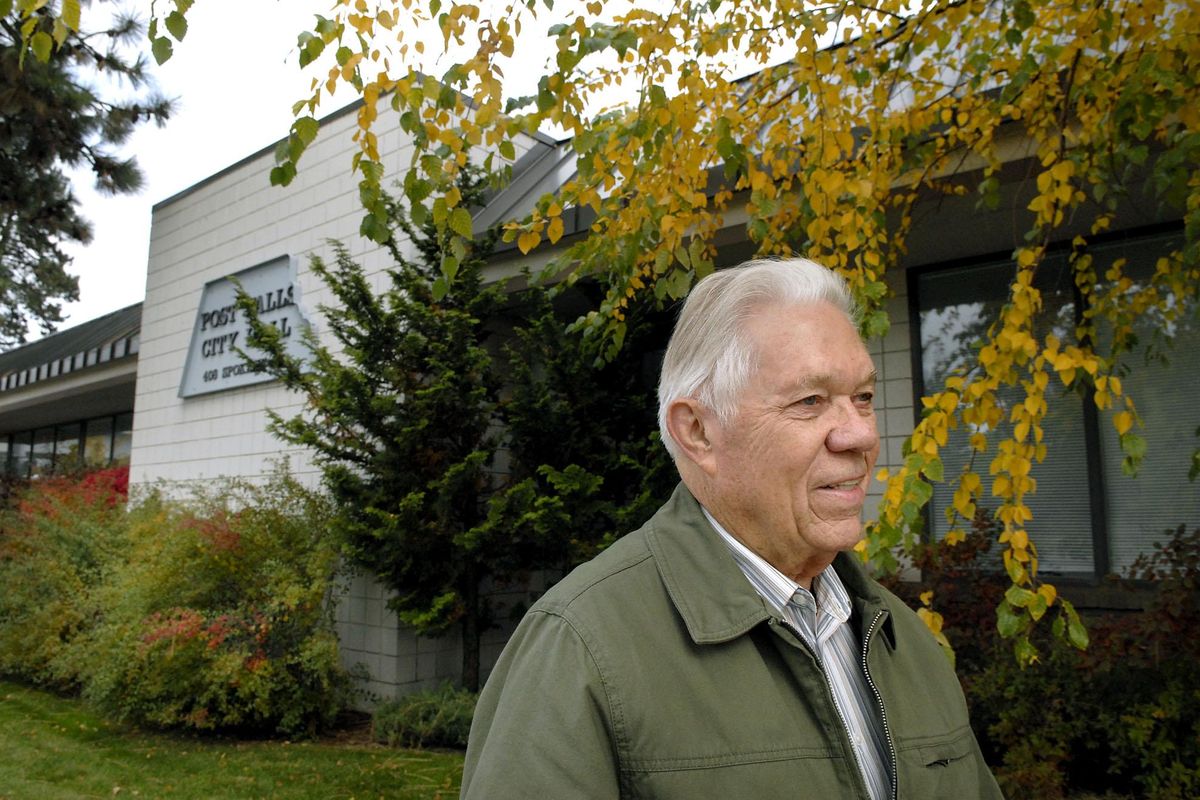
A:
[(235, 78)]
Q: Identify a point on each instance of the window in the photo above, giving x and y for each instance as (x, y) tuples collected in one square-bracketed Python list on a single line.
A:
[(42, 462), (66, 447), (122, 438), (20, 453), (97, 446), (1089, 518), (1140, 510), (96, 442)]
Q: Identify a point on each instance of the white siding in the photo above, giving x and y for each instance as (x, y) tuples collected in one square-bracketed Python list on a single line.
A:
[(894, 387)]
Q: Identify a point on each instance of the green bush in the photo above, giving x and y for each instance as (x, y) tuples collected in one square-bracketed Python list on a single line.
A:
[(60, 539), (439, 718), (221, 616), (1122, 716)]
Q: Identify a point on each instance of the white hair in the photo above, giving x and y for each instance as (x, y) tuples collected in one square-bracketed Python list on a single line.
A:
[(709, 358)]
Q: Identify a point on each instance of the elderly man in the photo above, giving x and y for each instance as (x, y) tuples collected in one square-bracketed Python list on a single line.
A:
[(730, 648)]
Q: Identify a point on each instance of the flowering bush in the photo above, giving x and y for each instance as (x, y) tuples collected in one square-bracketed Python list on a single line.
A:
[(221, 617), (60, 539)]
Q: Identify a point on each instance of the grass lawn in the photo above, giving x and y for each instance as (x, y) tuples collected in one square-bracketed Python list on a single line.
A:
[(52, 747)]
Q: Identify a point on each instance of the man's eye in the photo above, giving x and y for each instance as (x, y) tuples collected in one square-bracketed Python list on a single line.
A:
[(865, 398), (811, 400)]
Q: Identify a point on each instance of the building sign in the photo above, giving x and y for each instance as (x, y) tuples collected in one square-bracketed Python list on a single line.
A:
[(213, 363)]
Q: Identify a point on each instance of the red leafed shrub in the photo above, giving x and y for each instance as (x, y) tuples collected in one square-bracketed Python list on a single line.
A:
[(60, 539), (221, 618), (212, 613), (111, 484), (55, 495)]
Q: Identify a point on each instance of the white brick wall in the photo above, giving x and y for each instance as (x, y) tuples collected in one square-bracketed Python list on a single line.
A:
[(233, 221), (396, 660)]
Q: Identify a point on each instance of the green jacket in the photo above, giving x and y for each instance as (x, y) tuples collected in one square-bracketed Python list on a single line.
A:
[(656, 670)]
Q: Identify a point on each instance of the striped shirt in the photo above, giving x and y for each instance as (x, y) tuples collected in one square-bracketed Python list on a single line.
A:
[(823, 622)]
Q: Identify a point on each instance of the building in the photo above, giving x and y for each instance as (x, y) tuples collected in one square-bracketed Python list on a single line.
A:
[(67, 400), (199, 417)]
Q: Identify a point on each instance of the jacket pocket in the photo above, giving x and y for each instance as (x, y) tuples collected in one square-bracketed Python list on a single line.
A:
[(935, 767), (735, 776)]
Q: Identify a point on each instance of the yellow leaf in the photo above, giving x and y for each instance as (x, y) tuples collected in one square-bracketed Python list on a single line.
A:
[(554, 230), (932, 620), (1048, 591), (1123, 422), (527, 241), (1026, 257), (1063, 170)]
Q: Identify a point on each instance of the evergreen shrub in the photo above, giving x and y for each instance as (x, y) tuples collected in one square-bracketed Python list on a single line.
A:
[(437, 718), (469, 436)]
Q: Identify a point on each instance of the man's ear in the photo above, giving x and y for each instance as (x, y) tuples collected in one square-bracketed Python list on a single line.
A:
[(691, 426)]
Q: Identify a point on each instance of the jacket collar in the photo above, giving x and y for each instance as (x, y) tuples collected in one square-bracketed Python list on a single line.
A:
[(865, 594), (707, 587)]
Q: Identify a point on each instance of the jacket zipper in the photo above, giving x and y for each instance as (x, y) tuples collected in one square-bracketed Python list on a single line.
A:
[(838, 710), (887, 730)]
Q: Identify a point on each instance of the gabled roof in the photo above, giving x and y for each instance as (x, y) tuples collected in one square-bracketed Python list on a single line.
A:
[(99, 341), (542, 170)]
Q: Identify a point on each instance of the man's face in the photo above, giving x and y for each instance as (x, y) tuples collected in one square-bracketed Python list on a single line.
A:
[(792, 467)]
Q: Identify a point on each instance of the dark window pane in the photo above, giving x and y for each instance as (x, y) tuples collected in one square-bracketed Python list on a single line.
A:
[(22, 448), (123, 439), (43, 452), (97, 446), (67, 455)]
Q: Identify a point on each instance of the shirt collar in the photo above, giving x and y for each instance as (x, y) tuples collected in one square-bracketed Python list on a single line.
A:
[(830, 596)]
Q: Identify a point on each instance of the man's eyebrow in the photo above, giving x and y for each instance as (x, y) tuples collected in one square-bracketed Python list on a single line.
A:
[(822, 379), (811, 381)]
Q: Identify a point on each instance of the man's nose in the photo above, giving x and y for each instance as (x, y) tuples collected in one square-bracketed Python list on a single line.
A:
[(853, 429)]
